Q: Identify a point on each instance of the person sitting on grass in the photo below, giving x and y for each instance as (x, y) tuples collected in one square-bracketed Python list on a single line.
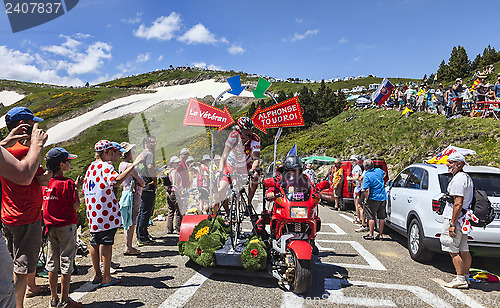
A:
[(60, 204), (103, 213)]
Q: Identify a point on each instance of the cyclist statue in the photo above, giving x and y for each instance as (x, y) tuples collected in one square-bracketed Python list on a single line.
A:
[(241, 155)]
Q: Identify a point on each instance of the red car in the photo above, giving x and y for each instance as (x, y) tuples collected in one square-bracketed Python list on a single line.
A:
[(348, 186)]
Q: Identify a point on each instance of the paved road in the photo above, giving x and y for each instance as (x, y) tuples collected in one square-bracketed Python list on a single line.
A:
[(349, 271)]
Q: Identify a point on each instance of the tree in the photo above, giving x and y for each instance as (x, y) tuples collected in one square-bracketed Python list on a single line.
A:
[(476, 63), (489, 56), (459, 63), (443, 72)]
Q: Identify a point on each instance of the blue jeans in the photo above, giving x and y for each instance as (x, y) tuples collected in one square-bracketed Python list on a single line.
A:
[(147, 208)]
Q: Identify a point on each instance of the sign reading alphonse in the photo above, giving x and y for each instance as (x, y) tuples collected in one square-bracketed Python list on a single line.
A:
[(202, 114), (285, 114)]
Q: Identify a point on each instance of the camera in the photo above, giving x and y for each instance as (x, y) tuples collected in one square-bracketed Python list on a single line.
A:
[(29, 130)]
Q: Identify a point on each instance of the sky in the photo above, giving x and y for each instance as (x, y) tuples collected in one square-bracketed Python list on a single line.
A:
[(100, 40)]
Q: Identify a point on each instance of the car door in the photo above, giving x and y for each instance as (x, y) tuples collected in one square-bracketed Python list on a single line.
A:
[(397, 197), (327, 194), (416, 198)]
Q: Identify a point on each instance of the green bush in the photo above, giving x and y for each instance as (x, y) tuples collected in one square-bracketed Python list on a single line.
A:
[(254, 256)]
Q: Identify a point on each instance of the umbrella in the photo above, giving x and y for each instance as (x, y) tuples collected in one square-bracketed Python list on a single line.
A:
[(363, 100), (352, 97), (321, 160)]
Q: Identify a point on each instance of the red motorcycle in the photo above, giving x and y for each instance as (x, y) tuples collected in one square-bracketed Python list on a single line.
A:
[(294, 223)]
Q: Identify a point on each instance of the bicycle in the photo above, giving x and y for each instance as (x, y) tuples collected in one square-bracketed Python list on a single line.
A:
[(239, 208)]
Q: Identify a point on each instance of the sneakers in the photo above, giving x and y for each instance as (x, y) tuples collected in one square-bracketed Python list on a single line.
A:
[(146, 242), (361, 229), (458, 282)]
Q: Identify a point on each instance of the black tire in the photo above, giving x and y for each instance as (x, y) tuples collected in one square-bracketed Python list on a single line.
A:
[(234, 221), (416, 247), (302, 280)]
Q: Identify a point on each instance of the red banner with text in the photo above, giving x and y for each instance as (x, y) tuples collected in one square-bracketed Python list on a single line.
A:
[(285, 114)]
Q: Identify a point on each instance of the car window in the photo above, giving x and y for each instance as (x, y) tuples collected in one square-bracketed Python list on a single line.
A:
[(489, 182), (417, 178), (400, 180)]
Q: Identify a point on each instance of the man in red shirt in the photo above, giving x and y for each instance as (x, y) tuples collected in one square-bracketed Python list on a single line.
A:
[(20, 172), (21, 212)]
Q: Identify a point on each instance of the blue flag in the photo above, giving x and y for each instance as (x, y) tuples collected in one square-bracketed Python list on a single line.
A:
[(293, 150)]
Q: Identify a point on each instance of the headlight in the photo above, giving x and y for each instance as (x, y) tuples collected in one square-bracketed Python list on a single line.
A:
[(298, 212)]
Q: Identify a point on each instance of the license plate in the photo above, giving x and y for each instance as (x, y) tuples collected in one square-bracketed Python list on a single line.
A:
[(497, 215)]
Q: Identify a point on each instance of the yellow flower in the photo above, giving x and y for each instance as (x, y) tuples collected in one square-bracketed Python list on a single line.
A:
[(201, 232), (254, 241)]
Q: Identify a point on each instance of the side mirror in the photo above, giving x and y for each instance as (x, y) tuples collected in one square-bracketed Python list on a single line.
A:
[(323, 185), (269, 182)]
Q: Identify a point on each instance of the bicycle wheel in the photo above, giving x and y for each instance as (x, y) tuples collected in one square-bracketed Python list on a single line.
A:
[(234, 221)]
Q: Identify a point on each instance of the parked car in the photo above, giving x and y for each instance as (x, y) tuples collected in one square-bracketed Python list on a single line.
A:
[(413, 201), (348, 186)]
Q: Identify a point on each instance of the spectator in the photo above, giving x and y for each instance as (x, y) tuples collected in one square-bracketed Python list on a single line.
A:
[(490, 95), (355, 175), (449, 96), (452, 239), (439, 94), (60, 206), (148, 195), (338, 180), (458, 96), (480, 90), (20, 172), (496, 90), (21, 209), (175, 195), (203, 186), (130, 201), (310, 172), (183, 169), (376, 197), (103, 213)]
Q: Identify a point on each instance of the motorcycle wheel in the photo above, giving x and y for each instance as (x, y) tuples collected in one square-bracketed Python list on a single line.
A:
[(234, 221), (302, 279)]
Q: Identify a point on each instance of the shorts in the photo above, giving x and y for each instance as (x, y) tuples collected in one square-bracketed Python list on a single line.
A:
[(375, 209), (337, 193), (61, 249), (230, 170), (106, 238), (24, 243), (453, 244)]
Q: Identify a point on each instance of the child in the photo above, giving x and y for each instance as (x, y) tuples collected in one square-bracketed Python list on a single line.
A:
[(60, 203), (103, 212)]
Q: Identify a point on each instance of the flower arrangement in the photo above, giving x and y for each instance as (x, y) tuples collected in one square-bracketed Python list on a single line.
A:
[(254, 256), (202, 245)]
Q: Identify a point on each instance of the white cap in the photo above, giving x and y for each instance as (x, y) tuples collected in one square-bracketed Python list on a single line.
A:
[(456, 157), (205, 157), (175, 159), (184, 151), (190, 158), (353, 157)]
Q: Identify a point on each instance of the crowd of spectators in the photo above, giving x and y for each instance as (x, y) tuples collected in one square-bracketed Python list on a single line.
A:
[(450, 100)]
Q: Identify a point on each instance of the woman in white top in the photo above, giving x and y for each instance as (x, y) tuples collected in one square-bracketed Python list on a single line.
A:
[(132, 188)]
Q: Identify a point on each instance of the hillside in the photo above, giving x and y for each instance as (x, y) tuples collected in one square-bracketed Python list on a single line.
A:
[(398, 139)]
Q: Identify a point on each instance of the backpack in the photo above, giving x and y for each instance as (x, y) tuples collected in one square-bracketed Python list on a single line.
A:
[(482, 208)]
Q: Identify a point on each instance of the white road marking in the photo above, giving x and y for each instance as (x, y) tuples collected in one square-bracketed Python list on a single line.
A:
[(347, 217), (83, 290), (336, 296), (337, 229), (292, 300), (422, 294), (187, 290), (373, 262), (464, 298)]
